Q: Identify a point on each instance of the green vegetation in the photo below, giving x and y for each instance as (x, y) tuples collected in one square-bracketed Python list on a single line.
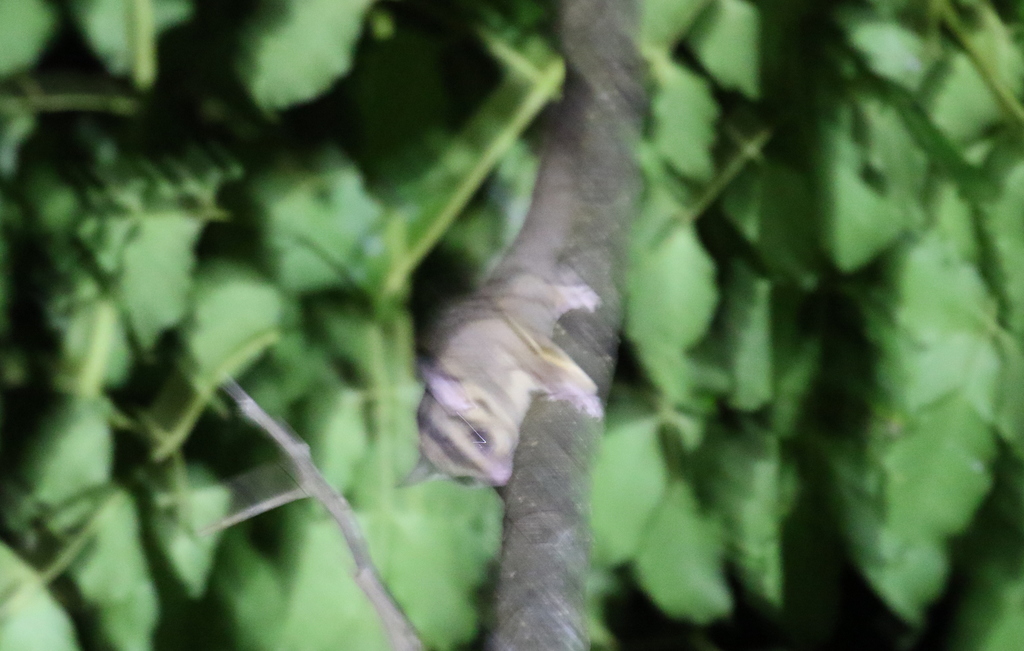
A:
[(815, 438)]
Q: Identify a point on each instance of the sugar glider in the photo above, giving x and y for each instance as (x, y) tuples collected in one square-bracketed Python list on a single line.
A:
[(491, 354)]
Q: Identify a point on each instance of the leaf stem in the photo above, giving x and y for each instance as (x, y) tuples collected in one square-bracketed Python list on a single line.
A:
[(167, 440), (1010, 104), (62, 561), (749, 150), (116, 103), (510, 57), (103, 321), (542, 89), (142, 36)]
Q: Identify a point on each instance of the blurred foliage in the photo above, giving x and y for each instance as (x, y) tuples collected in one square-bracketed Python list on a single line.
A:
[(815, 439)]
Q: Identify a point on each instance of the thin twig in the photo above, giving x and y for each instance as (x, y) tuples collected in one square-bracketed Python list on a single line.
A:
[(749, 151), (399, 630)]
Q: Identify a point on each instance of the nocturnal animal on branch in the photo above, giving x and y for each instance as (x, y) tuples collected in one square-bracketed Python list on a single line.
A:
[(489, 355), (492, 354)]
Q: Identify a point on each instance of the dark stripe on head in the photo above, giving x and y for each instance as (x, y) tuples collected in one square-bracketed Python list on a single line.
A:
[(447, 446)]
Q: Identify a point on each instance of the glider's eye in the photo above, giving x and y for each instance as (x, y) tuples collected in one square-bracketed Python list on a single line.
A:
[(483, 438)]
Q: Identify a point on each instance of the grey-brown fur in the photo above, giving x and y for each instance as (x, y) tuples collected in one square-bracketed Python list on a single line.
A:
[(489, 356)]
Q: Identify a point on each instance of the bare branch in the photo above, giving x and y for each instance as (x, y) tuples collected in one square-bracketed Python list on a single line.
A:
[(399, 630)]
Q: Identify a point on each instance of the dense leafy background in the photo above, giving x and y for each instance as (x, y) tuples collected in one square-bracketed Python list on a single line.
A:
[(815, 439)]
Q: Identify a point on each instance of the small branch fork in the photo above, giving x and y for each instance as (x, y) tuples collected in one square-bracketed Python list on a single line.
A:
[(400, 632)]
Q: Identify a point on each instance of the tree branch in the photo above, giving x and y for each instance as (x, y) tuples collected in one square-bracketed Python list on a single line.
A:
[(399, 630), (588, 175)]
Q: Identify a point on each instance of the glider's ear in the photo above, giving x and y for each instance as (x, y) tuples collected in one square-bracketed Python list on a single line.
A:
[(446, 389), (423, 471)]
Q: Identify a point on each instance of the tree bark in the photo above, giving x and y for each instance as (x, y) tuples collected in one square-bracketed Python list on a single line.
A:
[(588, 174)]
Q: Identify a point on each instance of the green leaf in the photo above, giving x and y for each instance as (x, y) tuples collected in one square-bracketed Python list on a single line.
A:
[(939, 294), (963, 107), (106, 238), (629, 482), (234, 310), (156, 274), (898, 159), (295, 373), (346, 331), (927, 469), (672, 300), (974, 183), (989, 615), (938, 471), (318, 225), (293, 50), (30, 619), (774, 208), (15, 131), (663, 22), (996, 50), (323, 603), (796, 362), (251, 590), (71, 452), (727, 40), (191, 555), (748, 318), (57, 205), (335, 428), (1009, 410), (1005, 229), (458, 530), (955, 224), (684, 114), (116, 30), (25, 28), (480, 235), (664, 206), (890, 49), (862, 221), (113, 576), (915, 491), (962, 363), (744, 478), (679, 563)]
